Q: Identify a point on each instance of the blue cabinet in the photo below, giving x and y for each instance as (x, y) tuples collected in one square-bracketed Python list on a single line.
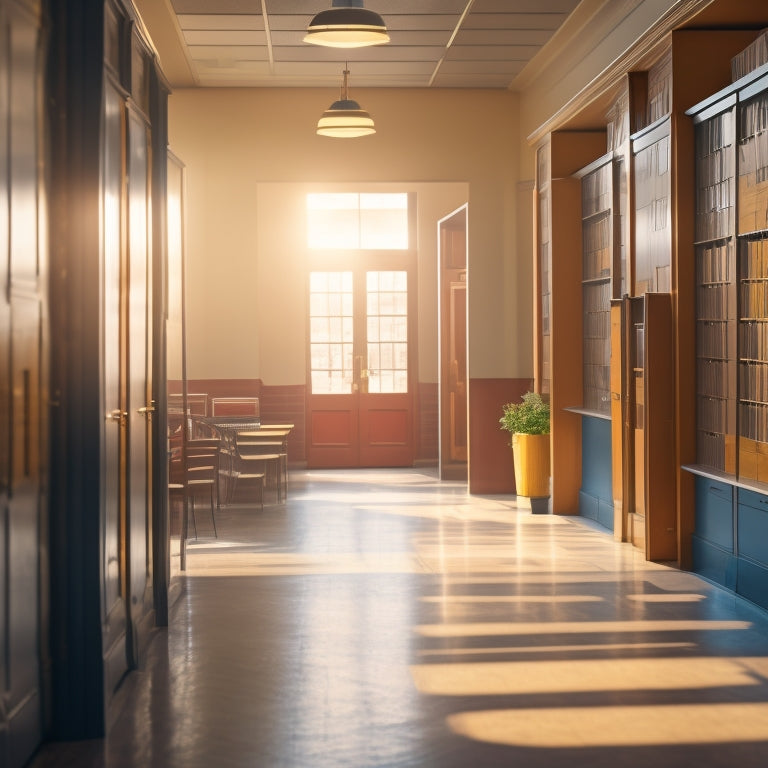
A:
[(712, 544), (714, 512), (730, 541), (596, 492), (752, 547)]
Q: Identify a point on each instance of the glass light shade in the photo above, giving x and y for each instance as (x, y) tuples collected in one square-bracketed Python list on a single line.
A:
[(347, 25), (345, 119)]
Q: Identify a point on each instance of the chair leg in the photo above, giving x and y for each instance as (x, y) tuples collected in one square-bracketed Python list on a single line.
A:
[(213, 514), (194, 516)]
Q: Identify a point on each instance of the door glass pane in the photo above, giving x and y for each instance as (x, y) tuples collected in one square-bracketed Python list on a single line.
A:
[(387, 324), (330, 332)]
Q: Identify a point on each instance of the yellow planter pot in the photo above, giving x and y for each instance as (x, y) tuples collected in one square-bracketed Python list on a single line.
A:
[(531, 457)]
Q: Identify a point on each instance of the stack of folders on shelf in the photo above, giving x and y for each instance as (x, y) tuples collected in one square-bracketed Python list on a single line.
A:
[(597, 324), (595, 191), (753, 259), (715, 169), (596, 239), (712, 377), (753, 340), (712, 414), (713, 302), (753, 381), (753, 166), (712, 340), (597, 351), (752, 57), (754, 300), (753, 421), (713, 263), (713, 135), (710, 450)]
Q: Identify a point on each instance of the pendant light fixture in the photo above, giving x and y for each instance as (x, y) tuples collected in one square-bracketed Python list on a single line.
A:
[(347, 25), (344, 119)]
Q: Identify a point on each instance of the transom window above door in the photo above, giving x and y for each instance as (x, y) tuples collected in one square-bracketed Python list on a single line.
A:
[(357, 220)]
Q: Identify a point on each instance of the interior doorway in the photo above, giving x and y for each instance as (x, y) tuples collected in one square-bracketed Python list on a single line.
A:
[(452, 244)]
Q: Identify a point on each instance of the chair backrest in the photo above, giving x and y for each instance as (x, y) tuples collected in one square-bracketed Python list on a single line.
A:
[(197, 403), (235, 406), (202, 461)]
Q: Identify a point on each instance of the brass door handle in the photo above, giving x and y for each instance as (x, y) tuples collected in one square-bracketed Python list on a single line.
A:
[(147, 409), (118, 416)]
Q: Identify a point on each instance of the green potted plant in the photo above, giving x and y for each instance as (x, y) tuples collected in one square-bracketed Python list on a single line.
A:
[(528, 424)]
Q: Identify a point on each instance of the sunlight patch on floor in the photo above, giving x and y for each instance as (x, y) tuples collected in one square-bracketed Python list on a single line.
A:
[(574, 627), (514, 678), (544, 649), (619, 726)]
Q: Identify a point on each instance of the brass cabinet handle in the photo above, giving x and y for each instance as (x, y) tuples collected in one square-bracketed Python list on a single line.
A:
[(147, 409)]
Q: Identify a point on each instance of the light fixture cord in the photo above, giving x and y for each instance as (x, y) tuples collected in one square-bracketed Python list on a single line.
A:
[(344, 82)]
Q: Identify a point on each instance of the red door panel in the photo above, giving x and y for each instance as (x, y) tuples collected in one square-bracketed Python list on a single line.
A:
[(332, 434)]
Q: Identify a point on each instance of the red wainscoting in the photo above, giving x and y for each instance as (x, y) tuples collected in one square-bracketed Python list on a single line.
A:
[(286, 404), (490, 457), (278, 405)]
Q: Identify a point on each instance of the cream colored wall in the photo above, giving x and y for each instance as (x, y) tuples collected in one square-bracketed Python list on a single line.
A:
[(244, 149)]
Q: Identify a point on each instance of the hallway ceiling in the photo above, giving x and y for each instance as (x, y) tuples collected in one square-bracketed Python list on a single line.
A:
[(434, 43)]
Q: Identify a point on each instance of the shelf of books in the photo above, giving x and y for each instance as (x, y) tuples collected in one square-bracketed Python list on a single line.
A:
[(753, 281), (543, 238), (716, 318), (597, 203)]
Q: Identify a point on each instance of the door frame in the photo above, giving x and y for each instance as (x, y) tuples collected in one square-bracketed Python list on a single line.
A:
[(357, 261)]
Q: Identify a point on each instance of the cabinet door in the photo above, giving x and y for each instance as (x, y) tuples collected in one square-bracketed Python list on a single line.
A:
[(659, 411), (23, 422)]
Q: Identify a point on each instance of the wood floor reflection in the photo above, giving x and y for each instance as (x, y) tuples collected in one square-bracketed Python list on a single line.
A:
[(383, 618)]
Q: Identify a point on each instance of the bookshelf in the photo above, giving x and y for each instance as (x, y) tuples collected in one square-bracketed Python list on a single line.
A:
[(715, 255), (544, 268), (651, 154), (731, 129), (597, 232), (752, 228)]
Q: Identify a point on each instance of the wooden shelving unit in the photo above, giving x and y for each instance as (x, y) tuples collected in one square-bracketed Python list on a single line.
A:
[(731, 505), (716, 319), (598, 249)]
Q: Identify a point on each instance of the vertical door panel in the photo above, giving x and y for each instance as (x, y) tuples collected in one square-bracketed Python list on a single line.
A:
[(22, 352), (113, 594), (139, 415), (457, 377)]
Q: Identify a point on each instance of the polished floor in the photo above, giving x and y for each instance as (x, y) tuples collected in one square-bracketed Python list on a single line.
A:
[(382, 618)]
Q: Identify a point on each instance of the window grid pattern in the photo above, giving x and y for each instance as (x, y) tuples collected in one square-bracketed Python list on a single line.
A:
[(387, 321), (331, 332)]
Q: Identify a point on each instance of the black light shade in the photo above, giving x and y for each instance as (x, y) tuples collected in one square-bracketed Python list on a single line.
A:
[(345, 119), (347, 25)]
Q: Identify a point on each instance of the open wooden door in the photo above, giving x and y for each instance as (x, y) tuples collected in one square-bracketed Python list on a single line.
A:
[(453, 345)]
